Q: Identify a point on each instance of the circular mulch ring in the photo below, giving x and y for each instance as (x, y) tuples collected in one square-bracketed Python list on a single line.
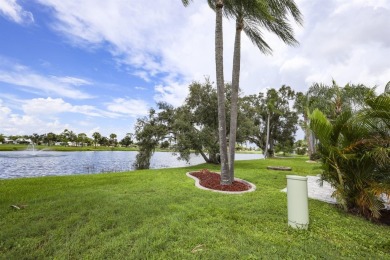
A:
[(206, 180), (279, 168)]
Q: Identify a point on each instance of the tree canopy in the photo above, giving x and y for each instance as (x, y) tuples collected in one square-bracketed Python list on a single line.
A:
[(194, 125)]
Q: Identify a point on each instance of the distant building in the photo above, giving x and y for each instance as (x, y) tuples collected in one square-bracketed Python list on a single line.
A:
[(23, 141), (9, 141)]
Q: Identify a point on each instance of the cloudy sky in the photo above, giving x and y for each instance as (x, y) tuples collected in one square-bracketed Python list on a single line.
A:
[(97, 65)]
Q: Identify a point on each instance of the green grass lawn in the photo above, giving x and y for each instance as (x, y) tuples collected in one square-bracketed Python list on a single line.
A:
[(159, 214)]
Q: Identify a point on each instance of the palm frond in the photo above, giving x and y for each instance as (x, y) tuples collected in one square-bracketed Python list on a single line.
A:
[(387, 88), (186, 2), (321, 126), (255, 35)]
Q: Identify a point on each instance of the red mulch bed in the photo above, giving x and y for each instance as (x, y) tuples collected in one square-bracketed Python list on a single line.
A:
[(211, 180)]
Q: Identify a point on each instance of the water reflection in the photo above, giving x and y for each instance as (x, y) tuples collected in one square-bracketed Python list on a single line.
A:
[(43, 163)]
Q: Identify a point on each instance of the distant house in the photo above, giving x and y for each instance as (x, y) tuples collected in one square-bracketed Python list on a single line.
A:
[(23, 141), (9, 141)]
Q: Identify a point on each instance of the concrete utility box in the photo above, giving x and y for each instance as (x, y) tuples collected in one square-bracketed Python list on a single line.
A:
[(297, 202)]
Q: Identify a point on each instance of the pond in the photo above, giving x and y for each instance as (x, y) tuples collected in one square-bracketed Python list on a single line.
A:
[(44, 163)]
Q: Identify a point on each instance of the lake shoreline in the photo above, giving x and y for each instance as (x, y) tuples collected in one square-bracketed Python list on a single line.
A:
[(10, 148), (27, 163)]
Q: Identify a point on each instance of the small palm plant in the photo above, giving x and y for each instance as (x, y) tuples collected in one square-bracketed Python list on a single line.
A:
[(355, 151)]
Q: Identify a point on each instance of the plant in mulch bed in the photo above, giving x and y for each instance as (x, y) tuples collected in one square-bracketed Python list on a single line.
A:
[(212, 180)]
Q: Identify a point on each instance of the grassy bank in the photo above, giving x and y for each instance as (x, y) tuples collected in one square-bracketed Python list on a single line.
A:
[(159, 214)]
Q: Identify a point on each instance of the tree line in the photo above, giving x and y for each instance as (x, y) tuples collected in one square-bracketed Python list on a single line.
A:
[(269, 120), (68, 137)]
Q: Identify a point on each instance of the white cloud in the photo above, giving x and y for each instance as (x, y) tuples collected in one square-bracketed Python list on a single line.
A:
[(16, 124), (54, 106), (42, 115), (173, 93), (347, 44), (13, 11), (160, 38), (72, 81), (24, 78), (46, 106), (128, 107), (4, 112)]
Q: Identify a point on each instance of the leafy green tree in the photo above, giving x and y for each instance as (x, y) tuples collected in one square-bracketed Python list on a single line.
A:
[(300, 147), (96, 138), (113, 140), (104, 141), (81, 139), (149, 131), (355, 151), (50, 138), (127, 140), (196, 126), (2, 138), (164, 144), (68, 136), (275, 105), (192, 127), (35, 138), (332, 101)]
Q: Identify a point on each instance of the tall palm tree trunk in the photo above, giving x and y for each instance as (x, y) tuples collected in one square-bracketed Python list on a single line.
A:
[(266, 153), (225, 177), (234, 97)]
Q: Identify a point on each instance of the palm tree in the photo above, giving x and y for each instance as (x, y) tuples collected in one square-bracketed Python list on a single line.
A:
[(355, 150), (50, 138), (332, 101), (113, 139), (96, 137), (218, 7), (250, 16), (81, 138)]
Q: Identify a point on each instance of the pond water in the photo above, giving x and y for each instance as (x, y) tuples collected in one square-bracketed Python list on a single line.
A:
[(43, 163)]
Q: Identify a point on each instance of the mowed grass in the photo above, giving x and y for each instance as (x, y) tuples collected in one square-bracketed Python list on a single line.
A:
[(159, 214)]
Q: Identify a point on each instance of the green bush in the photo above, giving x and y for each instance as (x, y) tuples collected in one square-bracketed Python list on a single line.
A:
[(355, 151), (301, 150)]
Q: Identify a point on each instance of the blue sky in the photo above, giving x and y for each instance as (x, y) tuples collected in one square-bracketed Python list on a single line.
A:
[(96, 65)]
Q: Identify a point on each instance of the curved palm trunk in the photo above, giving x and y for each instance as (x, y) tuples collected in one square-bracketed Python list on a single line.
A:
[(225, 177), (234, 101)]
